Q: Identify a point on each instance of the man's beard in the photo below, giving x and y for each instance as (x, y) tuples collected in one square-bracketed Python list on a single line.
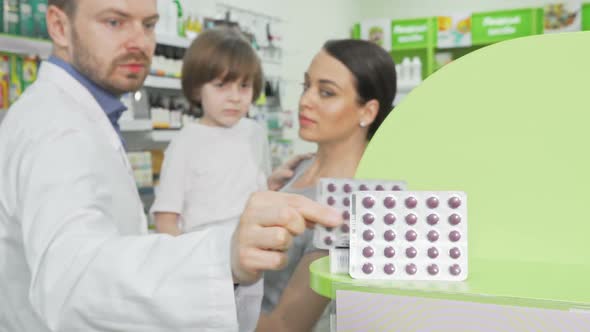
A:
[(86, 63)]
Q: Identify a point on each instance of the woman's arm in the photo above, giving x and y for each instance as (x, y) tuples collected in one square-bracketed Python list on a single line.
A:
[(299, 307), (167, 222), (285, 172)]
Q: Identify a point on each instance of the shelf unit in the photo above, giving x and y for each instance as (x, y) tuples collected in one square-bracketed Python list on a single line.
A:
[(164, 135), (175, 41), (25, 45), (135, 125), (526, 22), (161, 82)]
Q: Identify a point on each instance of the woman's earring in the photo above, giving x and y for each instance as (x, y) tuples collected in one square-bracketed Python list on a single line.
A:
[(363, 124)]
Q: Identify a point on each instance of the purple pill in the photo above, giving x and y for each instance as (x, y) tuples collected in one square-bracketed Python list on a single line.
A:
[(331, 200), (454, 219), (368, 218), (379, 188), (368, 252), (455, 253), (455, 269), (389, 269), (347, 188), (411, 269), (368, 268), (368, 235), (454, 236), (411, 252), (432, 219), (454, 202), (389, 252), (363, 187), (389, 202), (328, 240), (368, 202), (345, 228), (432, 236), (432, 252), (331, 187), (389, 235), (432, 202), (346, 201), (411, 202), (396, 188), (411, 235), (389, 219), (346, 215), (411, 219), (432, 269)]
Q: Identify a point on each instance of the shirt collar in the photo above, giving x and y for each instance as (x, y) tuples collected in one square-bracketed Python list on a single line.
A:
[(110, 104)]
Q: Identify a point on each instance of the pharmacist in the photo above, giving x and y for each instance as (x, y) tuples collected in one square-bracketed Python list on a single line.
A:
[(73, 251)]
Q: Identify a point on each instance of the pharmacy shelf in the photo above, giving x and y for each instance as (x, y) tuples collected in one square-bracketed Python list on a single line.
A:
[(164, 135), (161, 82), (25, 45), (135, 125), (173, 41), (406, 88)]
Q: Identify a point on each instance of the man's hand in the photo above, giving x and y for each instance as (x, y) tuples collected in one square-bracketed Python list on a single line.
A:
[(266, 230), (283, 173)]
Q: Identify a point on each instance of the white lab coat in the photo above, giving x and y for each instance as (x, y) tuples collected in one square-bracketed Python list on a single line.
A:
[(74, 249)]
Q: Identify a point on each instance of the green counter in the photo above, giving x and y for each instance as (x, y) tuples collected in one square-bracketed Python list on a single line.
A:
[(508, 125), (561, 287)]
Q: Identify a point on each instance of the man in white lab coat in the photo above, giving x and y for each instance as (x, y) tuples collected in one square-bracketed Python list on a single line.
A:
[(73, 251)]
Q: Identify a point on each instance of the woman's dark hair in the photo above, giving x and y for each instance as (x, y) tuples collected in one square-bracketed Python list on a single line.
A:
[(219, 53), (374, 73)]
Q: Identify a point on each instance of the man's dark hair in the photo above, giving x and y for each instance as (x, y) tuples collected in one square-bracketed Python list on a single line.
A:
[(68, 6)]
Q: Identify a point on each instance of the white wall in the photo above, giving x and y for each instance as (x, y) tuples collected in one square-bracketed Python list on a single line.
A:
[(307, 24)]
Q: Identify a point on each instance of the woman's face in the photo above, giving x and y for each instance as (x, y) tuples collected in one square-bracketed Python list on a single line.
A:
[(328, 107)]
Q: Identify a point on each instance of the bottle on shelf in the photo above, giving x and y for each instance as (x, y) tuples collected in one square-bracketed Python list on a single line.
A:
[(416, 69), (405, 72)]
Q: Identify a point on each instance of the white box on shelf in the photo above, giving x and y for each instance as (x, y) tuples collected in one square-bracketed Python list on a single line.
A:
[(176, 41), (162, 82)]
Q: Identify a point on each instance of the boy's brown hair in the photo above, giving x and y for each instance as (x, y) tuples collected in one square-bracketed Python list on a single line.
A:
[(219, 53)]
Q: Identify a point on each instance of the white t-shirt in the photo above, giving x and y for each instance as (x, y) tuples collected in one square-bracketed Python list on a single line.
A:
[(209, 172), (207, 176)]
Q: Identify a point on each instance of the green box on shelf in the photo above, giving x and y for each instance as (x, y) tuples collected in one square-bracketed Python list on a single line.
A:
[(492, 27), (1, 16), (26, 18), (11, 17), (355, 32), (412, 34), (40, 25), (586, 16)]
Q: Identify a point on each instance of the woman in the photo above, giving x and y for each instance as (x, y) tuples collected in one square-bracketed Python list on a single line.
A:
[(349, 89)]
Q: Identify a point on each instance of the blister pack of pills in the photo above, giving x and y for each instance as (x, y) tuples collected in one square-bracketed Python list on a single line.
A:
[(408, 235), (336, 193)]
